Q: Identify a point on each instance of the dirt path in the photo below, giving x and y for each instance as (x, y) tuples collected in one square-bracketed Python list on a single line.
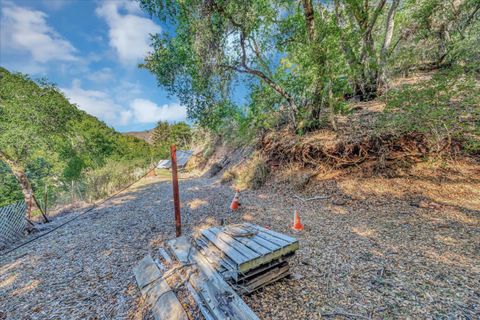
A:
[(371, 258)]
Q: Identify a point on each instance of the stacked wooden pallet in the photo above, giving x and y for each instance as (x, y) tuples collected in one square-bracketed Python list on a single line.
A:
[(247, 255)]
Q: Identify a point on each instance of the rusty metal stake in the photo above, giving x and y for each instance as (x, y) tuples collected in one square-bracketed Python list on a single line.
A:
[(176, 195)]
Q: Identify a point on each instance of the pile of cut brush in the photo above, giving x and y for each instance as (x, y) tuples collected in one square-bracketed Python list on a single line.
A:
[(327, 148)]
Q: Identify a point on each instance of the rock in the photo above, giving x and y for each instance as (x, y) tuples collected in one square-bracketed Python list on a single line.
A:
[(339, 202)]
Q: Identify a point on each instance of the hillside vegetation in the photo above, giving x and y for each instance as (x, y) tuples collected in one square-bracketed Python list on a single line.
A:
[(46, 143), (249, 69)]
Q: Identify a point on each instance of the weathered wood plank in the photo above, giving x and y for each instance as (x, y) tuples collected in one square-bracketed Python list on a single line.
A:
[(255, 272), (217, 258), (266, 278), (165, 255), (265, 236), (235, 243), (198, 301), (262, 242), (247, 266), (248, 241), (164, 303), (231, 252), (272, 233), (222, 301)]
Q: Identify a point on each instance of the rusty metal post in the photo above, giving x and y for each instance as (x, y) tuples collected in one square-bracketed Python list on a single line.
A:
[(176, 195)]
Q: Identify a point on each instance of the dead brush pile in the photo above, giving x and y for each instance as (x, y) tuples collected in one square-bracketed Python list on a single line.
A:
[(325, 148)]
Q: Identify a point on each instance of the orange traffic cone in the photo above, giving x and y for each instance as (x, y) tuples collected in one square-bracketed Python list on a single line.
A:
[(297, 224), (235, 203)]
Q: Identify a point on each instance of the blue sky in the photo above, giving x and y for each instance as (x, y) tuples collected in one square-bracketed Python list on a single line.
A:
[(91, 50)]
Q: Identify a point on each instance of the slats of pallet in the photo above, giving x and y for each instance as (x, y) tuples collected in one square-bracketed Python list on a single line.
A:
[(250, 252), (267, 277), (230, 251), (275, 234), (232, 242), (255, 272), (164, 303), (222, 301), (198, 301), (256, 243), (217, 258)]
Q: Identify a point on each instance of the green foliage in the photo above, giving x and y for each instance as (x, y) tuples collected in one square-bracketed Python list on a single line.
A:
[(296, 67), (9, 189), (166, 134), (435, 33), (445, 107), (51, 141)]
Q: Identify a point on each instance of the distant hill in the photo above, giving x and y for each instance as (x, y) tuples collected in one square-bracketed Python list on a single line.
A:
[(143, 135)]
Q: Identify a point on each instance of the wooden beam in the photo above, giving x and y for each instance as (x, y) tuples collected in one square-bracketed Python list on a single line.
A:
[(157, 292), (222, 301), (198, 301)]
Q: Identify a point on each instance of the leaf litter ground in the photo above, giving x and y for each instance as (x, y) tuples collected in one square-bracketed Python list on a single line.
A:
[(360, 257)]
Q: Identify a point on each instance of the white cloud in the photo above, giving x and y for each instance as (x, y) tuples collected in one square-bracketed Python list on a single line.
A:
[(146, 111), (138, 111), (129, 33), (55, 4), (26, 30), (103, 75), (94, 102)]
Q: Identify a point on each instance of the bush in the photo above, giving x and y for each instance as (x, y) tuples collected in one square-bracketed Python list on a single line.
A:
[(443, 108), (254, 174), (228, 176)]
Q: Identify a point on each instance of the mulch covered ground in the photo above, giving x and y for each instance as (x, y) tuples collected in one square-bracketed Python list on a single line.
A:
[(359, 258)]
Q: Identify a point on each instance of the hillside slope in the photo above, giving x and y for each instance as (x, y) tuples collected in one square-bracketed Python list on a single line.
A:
[(46, 142)]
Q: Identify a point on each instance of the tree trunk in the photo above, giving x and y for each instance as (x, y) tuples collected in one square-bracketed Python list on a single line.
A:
[(444, 36), (368, 60), (19, 174), (331, 104), (309, 19), (23, 182), (389, 27)]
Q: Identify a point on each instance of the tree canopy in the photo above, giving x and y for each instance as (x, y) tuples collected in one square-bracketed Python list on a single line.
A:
[(298, 61), (166, 134)]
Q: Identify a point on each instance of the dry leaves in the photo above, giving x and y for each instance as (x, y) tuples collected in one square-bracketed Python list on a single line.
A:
[(377, 257)]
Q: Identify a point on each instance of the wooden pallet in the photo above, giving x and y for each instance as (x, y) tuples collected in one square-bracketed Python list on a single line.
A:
[(247, 255), (222, 262)]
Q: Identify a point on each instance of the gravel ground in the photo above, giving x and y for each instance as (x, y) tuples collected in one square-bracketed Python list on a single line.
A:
[(371, 258)]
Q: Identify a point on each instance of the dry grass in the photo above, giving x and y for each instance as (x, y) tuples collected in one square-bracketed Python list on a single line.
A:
[(450, 184), (228, 175), (252, 174)]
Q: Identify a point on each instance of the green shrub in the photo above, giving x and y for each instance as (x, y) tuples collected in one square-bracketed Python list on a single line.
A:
[(444, 107)]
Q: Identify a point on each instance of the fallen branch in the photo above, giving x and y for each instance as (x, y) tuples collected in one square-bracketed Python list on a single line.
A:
[(313, 198)]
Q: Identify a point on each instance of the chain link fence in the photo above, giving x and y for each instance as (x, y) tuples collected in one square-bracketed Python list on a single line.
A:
[(60, 198), (12, 223)]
